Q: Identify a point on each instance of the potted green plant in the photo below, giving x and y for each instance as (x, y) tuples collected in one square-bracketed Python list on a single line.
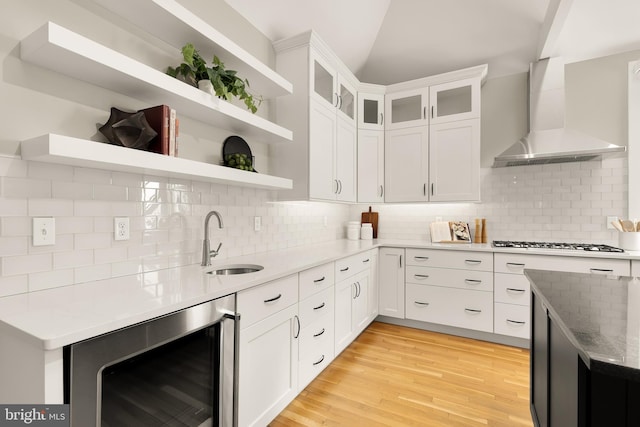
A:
[(226, 83)]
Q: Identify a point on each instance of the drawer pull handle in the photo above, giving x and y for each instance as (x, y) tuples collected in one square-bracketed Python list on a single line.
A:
[(319, 361), (472, 261), (421, 258), (421, 303), (319, 333), (366, 260), (472, 310), (421, 276), (515, 264), (319, 280), (515, 322), (472, 281), (345, 269), (601, 270), (319, 307), (515, 290), (273, 299)]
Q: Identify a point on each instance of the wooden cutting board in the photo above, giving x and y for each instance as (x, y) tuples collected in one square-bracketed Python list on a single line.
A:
[(371, 217)]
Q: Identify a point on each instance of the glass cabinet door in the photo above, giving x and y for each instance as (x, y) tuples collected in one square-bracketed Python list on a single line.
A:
[(323, 80), (406, 109), (458, 100), (347, 100), (370, 111)]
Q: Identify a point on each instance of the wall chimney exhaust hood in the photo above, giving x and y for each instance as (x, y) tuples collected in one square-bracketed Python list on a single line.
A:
[(548, 140)]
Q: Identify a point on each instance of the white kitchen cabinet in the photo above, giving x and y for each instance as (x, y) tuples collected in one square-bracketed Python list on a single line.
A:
[(370, 166), (371, 107), (270, 328), (452, 288), (455, 100), (268, 367), (351, 309), (454, 161), (512, 289), (373, 285), (391, 282), (322, 161), (406, 165), (316, 347), (406, 108), (635, 268), (450, 306)]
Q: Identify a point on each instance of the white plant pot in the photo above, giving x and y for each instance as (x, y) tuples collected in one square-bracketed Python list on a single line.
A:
[(206, 86)]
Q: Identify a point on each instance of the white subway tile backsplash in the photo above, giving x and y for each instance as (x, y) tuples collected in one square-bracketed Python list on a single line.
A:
[(25, 264), (50, 279), (565, 202), (13, 285)]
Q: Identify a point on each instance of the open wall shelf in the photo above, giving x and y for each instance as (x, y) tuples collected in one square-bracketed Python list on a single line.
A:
[(70, 151), (61, 50), (171, 22)]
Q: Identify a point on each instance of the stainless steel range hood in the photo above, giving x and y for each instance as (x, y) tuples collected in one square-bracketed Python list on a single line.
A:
[(548, 140)]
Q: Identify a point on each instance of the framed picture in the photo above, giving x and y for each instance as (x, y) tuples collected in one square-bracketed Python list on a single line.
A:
[(460, 231)]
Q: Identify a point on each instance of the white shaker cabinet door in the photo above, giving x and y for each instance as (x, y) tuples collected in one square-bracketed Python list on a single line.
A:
[(454, 161), (391, 282), (322, 129), (345, 160), (406, 165), (370, 166)]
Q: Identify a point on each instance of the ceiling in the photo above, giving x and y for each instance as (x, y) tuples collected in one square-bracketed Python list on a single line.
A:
[(389, 41)]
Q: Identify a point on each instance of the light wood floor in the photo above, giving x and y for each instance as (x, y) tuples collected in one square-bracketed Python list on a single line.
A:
[(397, 376)]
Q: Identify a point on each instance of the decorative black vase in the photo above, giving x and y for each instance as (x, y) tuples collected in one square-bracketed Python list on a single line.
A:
[(129, 130)]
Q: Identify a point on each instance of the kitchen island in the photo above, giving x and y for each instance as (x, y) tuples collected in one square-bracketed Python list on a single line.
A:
[(585, 349)]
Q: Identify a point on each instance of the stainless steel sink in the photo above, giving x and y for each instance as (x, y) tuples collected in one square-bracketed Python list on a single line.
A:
[(235, 269)]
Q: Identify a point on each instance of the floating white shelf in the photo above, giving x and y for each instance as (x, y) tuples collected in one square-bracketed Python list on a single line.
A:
[(70, 151), (66, 52), (171, 22)]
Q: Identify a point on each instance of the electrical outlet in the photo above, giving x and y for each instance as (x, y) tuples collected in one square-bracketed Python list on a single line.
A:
[(257, 223), (611, 219), (121, 228), (44, 231)]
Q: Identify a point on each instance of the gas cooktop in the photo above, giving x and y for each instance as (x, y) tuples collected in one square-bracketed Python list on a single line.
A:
[(548, 245)]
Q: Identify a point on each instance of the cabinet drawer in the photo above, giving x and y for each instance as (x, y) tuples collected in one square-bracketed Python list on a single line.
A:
[(316, 306), (315, 279), (315, 361), (512, 320), (516, 263), (314, 336), (262, 301), (351, 265), (448, 306), (467, 260), (462, 279), (511, 289)]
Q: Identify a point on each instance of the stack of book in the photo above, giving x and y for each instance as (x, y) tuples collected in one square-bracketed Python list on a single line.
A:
[(162, 119)]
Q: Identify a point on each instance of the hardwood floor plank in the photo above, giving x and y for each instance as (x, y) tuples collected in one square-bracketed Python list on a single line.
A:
[(397, 376)]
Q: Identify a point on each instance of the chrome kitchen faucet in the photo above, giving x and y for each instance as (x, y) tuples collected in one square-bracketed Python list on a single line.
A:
[(207, 253)]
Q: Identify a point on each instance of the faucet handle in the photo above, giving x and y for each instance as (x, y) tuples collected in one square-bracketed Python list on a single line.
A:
[(215, 252)]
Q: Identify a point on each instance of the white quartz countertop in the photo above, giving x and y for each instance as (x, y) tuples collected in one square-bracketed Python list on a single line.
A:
[(57, 317)]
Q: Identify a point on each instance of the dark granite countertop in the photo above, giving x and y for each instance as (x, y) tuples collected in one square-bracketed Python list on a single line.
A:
[(599, 314)]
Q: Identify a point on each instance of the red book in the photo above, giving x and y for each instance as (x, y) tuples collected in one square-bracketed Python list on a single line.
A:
[(158, 119)]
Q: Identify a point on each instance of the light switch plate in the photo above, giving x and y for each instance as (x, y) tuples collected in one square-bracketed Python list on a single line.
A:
[(44, 231)]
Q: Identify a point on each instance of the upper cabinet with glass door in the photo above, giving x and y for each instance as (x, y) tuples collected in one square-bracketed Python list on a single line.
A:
[(452, 101), (371, 111), (406, 109), (328, 87)]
